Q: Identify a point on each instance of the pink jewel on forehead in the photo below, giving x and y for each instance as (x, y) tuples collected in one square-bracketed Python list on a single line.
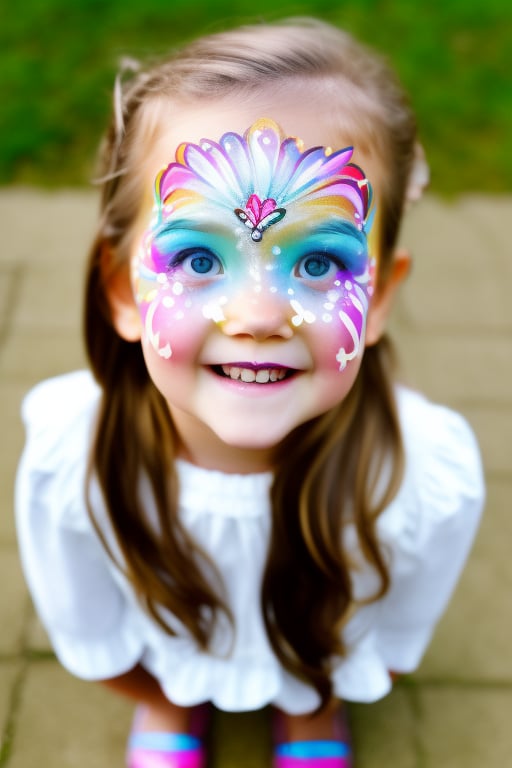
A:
[(259, 215), (258, 175)]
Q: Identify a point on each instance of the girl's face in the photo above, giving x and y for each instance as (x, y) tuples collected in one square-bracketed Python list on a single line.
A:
[(252, 275)]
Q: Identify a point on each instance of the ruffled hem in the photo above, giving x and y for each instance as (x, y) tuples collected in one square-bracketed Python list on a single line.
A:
[(189, 677), (102, 658)]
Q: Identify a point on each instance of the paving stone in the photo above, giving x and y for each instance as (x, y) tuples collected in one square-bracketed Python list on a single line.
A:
[(8, 279), (13, 602), (241, 740), (459, 279), (472, 641), (50, 298), (491, 214), (36, 638), (61, 225), (9, 671), (28, 357), (384, 732), (471, 302), (67, 723), (465, 727), (10, 449), (451, 367), (493, 426)]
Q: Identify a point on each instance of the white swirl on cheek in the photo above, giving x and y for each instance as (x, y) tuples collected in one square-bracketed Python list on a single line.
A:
[(163, 300), (359, 302), (154, 336)]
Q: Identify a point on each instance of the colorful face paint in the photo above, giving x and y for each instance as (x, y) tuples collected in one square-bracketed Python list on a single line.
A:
[(261, 215), (259, 175)]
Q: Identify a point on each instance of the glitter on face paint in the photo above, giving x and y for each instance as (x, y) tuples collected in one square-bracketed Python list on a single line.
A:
[(287, 194)]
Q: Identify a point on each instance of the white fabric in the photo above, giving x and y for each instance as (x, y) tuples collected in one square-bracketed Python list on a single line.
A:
[(99, 631)]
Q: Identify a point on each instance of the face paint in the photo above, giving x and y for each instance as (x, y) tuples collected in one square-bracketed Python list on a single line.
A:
[(258, 213)]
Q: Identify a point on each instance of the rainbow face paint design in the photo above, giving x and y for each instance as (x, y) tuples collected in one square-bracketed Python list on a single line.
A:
[(260, 216)]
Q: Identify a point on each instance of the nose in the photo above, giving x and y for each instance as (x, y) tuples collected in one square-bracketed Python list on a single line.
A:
[(261, 315)]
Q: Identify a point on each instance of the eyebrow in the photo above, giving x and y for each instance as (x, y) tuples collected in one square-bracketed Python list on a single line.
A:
[(332, 226), (205, 227)]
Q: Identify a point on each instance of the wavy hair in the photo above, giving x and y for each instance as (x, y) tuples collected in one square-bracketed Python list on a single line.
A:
[(345, 464)]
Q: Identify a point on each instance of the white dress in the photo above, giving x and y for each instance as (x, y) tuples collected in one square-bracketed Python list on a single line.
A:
[(98, 629)]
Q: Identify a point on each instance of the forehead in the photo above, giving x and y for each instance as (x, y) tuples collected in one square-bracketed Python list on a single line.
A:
[(312, 122)]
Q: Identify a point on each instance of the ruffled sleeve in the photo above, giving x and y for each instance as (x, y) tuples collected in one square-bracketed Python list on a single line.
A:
[(430, 527), (66, 568)]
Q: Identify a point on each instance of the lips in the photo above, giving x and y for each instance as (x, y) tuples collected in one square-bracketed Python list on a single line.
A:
[(251, 373)]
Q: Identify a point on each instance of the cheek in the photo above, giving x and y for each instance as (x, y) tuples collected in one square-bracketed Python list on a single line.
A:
[(336, 323), (175, 318), (174, 322)]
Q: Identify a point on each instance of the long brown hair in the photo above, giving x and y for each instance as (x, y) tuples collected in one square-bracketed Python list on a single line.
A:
[(345, 464)]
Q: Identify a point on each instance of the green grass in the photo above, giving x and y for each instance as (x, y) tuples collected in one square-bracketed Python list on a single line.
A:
[(59, 59)]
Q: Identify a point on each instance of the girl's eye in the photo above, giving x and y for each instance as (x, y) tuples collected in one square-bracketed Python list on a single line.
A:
[(197, 262), (316, 266)]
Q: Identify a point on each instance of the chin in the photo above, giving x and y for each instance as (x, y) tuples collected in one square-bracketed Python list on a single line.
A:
[(251, 439), (250, 444)]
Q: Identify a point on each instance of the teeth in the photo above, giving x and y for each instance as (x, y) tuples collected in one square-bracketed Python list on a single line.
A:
[(249, 375), (263, 376)]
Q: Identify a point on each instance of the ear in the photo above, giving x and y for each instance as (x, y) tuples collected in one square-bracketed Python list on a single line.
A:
[(383, 298), (118, 290)]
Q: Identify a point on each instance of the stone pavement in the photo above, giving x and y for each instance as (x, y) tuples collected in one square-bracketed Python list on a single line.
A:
[(453, 325)]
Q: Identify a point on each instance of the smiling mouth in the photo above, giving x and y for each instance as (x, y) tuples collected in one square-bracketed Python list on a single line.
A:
[(253, 374)]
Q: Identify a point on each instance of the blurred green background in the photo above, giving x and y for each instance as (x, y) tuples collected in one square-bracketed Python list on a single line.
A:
[(59, 57)]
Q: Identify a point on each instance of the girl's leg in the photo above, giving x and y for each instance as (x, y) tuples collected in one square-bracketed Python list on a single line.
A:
[(157, 712), (310, 727)]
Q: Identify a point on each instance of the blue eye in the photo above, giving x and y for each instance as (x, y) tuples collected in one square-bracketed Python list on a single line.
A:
[(197, 262), (316, 266)]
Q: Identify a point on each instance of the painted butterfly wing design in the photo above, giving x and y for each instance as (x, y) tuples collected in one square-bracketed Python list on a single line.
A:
[(258, 226)]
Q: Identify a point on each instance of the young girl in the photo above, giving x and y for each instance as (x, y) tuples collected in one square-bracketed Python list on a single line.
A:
[(240, 506)]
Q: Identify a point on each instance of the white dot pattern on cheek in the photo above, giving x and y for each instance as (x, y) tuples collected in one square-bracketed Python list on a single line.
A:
[(214, 311), (301, 315)]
